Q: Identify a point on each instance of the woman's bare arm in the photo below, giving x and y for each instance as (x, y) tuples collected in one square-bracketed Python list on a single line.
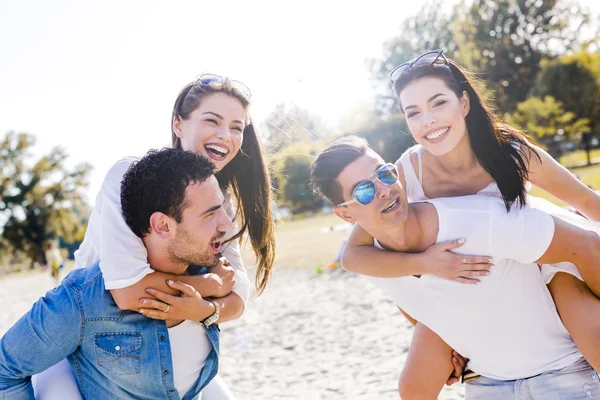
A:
[(549, 175), (578, 246)]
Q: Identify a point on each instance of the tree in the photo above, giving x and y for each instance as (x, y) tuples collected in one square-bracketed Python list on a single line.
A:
[(546, 119), (502, 40), (289, 124), (38, 202), (388, 136), (574, 80), (291, 173)]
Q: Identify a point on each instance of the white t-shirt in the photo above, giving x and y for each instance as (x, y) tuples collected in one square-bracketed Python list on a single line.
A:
[(507, 325), (190, 347), (122, 255), (414, 192)]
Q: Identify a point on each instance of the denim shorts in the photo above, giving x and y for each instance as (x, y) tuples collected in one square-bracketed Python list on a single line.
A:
[(577, 381)]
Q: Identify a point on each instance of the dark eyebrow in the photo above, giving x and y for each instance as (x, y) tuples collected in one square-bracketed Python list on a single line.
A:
[(212, 209), (220, 117), (429, 100), (362, 180)]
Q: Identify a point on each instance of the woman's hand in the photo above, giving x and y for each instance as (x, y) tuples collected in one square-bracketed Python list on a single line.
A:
[(441, 262), (459, 363), (190, 305), (222, 279)]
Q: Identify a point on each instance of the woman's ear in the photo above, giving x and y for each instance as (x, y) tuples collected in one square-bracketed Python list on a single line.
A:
[(177, 126), (465, 103)]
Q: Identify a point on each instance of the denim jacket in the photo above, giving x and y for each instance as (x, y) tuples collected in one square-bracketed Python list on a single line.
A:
[(114, 354)]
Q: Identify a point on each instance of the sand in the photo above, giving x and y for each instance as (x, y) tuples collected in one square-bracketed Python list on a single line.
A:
[(310, 336)]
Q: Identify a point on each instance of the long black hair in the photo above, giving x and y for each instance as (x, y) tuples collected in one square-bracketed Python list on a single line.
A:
[(501, 150)]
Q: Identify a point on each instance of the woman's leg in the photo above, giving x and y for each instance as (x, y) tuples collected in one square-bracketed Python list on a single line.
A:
[(579, 310), (217, 390), (428, 366), (56, 383)]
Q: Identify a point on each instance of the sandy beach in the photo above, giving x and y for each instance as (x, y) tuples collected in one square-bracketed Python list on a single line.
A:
[(310, 336)]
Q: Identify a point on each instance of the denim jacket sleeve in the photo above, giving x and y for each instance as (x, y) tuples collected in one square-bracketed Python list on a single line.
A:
[(48, 333)]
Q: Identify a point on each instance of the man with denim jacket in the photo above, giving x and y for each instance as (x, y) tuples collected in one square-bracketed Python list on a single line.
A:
[(172, 200)]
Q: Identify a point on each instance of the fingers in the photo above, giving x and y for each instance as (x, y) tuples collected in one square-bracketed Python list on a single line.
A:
[(468, 281), (164, 297), (183, 288), (224, 261), (154, 304), (451, 244), (474, 260), (452, 381), (154, 314), (473, 274), (462, 361)]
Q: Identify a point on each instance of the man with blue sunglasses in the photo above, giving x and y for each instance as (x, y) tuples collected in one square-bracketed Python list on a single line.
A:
[(507, 326)]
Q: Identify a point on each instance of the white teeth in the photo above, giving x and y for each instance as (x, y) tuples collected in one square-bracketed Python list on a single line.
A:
[(218, 149), (437, 134), (391, 205)]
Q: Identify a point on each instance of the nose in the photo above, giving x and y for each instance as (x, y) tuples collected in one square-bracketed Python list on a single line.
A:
[(383, 191), (428, 119), (224, 223), (224, 133)]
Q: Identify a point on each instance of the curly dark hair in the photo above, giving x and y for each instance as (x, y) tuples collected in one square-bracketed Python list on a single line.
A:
[(157, 183)]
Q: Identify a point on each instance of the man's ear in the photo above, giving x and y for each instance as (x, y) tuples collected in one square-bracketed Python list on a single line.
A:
[(465, 103), (161, 225), (343, 213)]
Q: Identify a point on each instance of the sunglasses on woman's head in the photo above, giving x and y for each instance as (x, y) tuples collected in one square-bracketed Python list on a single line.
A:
[(364, 192), (429, 58), (205, 79)]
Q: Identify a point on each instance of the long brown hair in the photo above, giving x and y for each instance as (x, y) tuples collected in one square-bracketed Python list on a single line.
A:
[(247, 176), (501, 150)]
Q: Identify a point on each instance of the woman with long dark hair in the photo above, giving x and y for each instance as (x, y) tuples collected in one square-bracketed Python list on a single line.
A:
[(464, 149)]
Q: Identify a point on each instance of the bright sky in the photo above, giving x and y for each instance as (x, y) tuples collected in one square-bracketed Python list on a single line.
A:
[(100, 77)]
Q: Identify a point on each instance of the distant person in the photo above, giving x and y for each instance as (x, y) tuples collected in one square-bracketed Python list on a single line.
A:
[(506, 325), (174, 204), (54, 261), (211, 118)]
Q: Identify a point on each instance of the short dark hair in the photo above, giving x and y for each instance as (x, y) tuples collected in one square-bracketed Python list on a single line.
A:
[(157, 183), (331, 162)]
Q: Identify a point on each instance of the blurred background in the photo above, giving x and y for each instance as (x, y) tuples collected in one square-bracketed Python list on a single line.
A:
[(83, 84)]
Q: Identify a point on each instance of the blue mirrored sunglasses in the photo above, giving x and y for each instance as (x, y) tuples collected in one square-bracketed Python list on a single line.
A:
[(364, 192), (205, 79)]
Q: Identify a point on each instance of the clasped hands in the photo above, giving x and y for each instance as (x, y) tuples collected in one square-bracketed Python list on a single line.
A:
[(191, 304)]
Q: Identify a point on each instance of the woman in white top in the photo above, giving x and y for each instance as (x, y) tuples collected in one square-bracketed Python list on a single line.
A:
[(210, 117), (464, 149)]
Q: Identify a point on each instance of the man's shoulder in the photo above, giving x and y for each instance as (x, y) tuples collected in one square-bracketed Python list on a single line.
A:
[(81, 278)]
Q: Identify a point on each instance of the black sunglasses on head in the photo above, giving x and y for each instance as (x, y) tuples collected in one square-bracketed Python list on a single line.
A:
[(428, 58), (206, 79)]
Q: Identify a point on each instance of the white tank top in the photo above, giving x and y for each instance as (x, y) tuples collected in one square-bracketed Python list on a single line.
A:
[(415, 192)]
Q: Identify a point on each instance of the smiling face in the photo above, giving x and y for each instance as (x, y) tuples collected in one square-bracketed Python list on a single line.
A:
[(387, 210), (435, 115), (214, 129), (197, 239)]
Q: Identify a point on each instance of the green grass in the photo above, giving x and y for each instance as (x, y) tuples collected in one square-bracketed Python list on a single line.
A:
[(578, 157), (301, 243)]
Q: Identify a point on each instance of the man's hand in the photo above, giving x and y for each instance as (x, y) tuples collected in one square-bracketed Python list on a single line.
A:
[(221, 277), (445, 264), (459, 363), (190, 305)]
